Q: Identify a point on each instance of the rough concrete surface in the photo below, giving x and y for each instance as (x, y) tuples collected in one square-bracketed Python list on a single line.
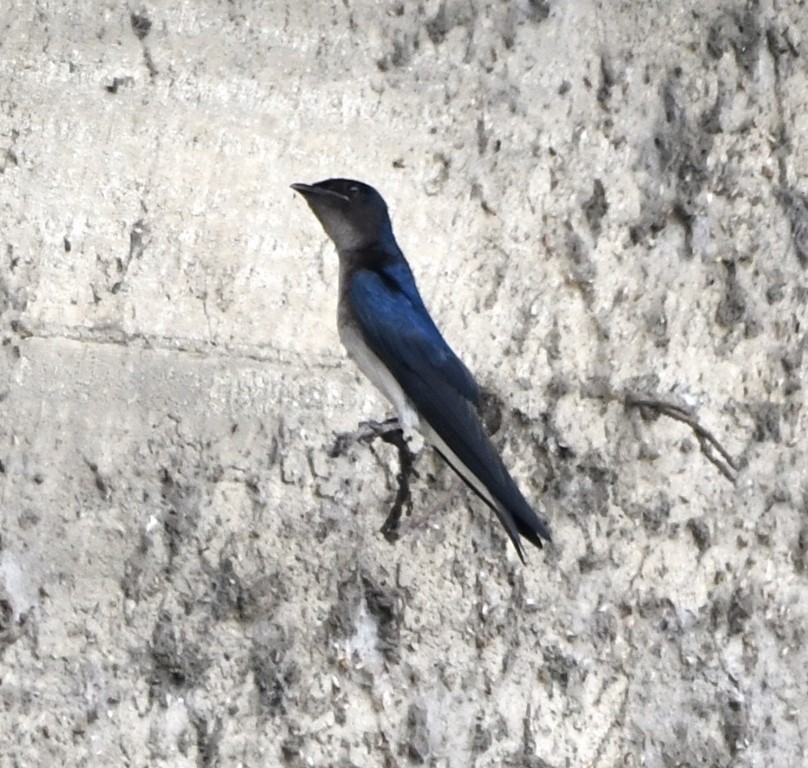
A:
[(605, 204)]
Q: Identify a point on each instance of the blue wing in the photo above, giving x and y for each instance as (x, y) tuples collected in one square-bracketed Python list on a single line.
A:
[(388, 305), (397, 327)]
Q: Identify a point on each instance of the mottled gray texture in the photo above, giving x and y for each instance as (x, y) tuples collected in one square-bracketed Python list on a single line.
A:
[(598, 199)]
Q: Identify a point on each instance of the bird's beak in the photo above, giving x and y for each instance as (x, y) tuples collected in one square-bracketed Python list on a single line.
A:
[(310, 191)]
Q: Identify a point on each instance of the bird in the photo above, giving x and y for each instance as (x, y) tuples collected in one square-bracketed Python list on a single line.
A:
[(385, 327)]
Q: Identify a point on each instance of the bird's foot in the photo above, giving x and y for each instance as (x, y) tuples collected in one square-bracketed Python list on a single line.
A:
[(369, 430), (391, 432)]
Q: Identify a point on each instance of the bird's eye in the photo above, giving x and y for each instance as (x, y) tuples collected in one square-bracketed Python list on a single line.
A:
[(353, 191)]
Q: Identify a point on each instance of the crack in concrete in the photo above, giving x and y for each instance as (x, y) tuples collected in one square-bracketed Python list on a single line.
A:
[(117, 337)]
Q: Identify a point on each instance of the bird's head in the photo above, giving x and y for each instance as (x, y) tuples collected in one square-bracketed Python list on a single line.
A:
[(353, 214)]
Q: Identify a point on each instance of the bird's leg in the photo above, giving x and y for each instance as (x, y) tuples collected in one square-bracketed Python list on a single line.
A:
[(390, 432)]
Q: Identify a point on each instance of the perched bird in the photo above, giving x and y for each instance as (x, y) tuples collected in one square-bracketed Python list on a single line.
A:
[(387, 330)]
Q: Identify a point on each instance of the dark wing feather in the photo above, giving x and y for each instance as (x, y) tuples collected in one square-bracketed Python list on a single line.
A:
[(396, 284), (403, 336)]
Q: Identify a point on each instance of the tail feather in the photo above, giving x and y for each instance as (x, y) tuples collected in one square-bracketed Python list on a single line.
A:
[(491, 482)]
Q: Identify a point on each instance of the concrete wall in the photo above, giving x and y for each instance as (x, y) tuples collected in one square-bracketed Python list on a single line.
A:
[(599, 200)]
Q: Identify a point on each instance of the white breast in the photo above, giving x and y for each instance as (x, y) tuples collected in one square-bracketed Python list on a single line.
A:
[(378, 374)]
